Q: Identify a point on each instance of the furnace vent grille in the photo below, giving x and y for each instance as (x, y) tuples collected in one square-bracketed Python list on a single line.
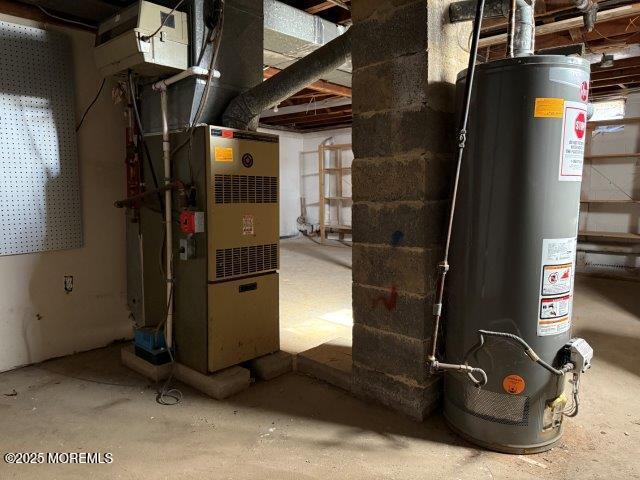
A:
[(233, 262), (245, 189)]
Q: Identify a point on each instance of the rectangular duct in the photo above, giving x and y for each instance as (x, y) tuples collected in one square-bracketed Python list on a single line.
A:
[(290, 34), (240, 61), (255, 34)]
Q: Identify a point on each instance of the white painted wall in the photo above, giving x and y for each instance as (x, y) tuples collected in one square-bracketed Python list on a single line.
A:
[(299, 175), (290, 147), (613, 179), (310, 190), (38, 320)]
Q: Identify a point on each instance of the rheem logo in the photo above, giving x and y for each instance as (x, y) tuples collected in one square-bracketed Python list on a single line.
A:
[(584, 91), (580, 125)]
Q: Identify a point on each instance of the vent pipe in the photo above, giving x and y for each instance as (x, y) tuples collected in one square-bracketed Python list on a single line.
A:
[(525, 27), (244, 111)]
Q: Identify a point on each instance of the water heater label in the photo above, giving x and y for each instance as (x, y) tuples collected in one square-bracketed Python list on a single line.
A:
[(556, 285), (574, 132), (548, 108), (553, 308), (556, 279)]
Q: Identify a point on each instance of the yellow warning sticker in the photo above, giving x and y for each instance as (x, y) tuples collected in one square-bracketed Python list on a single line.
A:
[(224, 154), (549, 108)]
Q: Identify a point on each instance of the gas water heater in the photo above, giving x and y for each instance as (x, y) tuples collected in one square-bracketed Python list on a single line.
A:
[(513, 250)]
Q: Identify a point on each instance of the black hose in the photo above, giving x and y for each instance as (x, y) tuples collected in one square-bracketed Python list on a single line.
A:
[(93, 102)]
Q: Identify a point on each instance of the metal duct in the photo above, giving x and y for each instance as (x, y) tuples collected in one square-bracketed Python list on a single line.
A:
[(291, 34), (286, 35), (524, 32), (463, 11), (244, 110)]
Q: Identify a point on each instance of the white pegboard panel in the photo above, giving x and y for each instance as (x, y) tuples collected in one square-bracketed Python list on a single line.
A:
[(39, 181)]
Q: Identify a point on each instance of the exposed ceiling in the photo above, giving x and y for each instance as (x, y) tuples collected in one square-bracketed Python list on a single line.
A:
[(326, 103), (558, 24)]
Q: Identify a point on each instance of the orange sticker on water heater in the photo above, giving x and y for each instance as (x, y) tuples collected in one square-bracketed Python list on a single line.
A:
[(549, 108), (513, 384)]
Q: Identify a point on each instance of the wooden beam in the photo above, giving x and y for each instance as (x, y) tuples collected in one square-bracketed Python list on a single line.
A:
[(565, 25), (310, 115), (322, 6), (615, 73), (614, 81), (621, 63), (30, 12), (319, 85), (314, 121), (334, 122)]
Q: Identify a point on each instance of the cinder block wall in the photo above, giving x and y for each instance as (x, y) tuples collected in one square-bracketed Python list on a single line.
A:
[(405, 60)]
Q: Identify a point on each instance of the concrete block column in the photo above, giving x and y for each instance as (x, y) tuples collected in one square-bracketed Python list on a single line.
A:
[(405, 61)]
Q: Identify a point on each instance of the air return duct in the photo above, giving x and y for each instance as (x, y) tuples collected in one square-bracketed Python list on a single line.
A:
[(244, 110)]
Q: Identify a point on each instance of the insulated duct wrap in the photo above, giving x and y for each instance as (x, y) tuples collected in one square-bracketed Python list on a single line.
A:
[(243, 112), (524, 38)]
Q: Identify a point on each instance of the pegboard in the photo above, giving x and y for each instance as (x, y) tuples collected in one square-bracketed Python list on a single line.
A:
[(39, 181)]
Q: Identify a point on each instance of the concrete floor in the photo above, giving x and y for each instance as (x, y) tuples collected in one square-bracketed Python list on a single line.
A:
[(295, 427), (313, 310)]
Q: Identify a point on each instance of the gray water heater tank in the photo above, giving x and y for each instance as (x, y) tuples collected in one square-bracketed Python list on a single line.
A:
[(513, 249)]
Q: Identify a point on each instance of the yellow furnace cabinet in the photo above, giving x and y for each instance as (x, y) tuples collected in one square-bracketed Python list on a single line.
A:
[(226, 273)]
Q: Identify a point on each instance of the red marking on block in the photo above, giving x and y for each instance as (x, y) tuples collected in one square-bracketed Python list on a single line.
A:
[(390, 302)]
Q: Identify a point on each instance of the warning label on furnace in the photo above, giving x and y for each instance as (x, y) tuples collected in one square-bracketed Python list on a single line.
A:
[(556, 285), (223, 154), (574, 131), (247, 225)]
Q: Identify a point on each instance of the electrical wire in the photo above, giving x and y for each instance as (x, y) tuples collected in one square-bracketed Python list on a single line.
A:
[(146, 38), (166, 395), (93, 102), (306, 235), (145, 147), (573, 410), (217, 40), (67, 20)]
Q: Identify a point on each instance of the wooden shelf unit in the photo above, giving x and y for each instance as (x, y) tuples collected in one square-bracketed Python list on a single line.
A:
[(605, 237), (336, 171), (616, 237), (609, 123)]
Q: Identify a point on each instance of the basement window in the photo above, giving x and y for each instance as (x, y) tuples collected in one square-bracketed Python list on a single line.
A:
[(608, 110)]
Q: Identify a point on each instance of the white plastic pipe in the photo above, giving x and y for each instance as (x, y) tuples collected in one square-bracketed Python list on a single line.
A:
[(189, 72), (161, 86), (166, 157)]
